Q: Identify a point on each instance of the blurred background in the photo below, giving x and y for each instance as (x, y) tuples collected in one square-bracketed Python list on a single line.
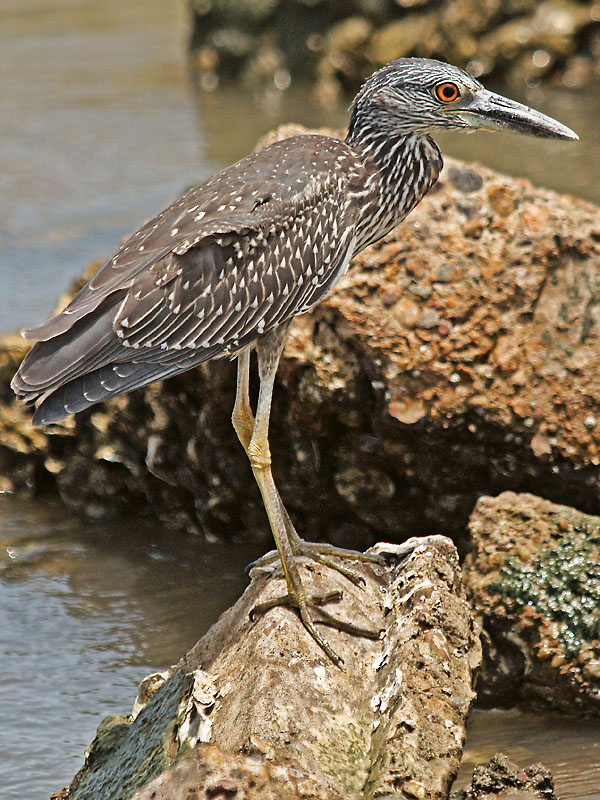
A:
[(106, 116)]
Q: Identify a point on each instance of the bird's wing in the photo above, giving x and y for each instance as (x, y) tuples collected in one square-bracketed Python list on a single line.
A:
[(199, 278), (226, 289), (224, 203)]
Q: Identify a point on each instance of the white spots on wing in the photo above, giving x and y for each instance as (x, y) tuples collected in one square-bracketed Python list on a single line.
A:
[(199, 216), (174, 231), (221, 207)]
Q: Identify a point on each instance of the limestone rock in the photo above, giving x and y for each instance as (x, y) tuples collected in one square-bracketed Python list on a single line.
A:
[(257, 708)]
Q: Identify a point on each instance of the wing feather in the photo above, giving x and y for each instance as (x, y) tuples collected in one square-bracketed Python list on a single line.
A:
[(192, 284)]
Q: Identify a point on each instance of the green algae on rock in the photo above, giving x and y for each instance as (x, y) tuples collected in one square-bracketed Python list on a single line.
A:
[(564, 580), (534, 578)]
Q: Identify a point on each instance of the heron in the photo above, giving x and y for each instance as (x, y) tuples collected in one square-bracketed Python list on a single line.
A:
[(224, 270)]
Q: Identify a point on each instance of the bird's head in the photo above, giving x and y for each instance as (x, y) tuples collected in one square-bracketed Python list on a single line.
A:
[(418, 95)]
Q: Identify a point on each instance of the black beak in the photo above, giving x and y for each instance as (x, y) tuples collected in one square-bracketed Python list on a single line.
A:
[(494, 112)]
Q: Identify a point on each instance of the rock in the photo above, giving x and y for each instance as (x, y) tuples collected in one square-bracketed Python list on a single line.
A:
[(338, 44), (496, 390), (534, 577), (255, 709), (405, 37), (503, 780)]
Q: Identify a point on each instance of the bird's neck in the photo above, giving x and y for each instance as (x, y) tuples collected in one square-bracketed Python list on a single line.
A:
[(400, 171)]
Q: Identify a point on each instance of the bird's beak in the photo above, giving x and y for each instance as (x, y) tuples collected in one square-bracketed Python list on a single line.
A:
[(494, 112)]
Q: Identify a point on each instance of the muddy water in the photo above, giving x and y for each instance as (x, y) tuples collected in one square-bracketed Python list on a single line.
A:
[(99, 128)]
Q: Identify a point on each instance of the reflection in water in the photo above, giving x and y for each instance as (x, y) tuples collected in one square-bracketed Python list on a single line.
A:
[(85, 613), (100, 129)]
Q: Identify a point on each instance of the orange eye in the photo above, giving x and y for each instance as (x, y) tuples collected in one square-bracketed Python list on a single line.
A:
[(447, 92)]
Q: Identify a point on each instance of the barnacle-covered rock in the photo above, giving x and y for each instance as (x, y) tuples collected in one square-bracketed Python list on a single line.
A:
[(534, 577)]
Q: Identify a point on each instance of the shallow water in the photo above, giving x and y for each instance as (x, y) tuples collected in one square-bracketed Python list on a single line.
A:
[(85, 612), (569, 748), (100, 129)]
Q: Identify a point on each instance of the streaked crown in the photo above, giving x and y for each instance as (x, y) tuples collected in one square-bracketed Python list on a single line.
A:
[(413, 95)]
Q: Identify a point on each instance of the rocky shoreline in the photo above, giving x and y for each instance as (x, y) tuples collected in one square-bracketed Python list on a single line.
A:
[(450, 379), (457, 358), (270, 43)]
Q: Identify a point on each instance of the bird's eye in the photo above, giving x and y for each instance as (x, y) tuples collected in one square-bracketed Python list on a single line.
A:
[(447, 92)]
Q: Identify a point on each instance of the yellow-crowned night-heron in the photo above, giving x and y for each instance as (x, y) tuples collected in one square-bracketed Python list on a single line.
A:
[(226, 268)]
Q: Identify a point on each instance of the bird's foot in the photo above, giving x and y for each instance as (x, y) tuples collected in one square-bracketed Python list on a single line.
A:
[(322, 554), (305, 605)]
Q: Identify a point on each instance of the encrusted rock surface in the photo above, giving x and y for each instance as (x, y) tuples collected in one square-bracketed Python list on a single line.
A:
[(500, 779), (533, 577), (256, 709), (459, 357), (268, 43)]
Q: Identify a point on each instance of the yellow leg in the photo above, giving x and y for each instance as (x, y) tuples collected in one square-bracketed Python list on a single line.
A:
[(253, 434), (242, 419)]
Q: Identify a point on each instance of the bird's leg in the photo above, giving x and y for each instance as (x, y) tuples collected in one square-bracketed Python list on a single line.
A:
[(242, 419), (260, 460)]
